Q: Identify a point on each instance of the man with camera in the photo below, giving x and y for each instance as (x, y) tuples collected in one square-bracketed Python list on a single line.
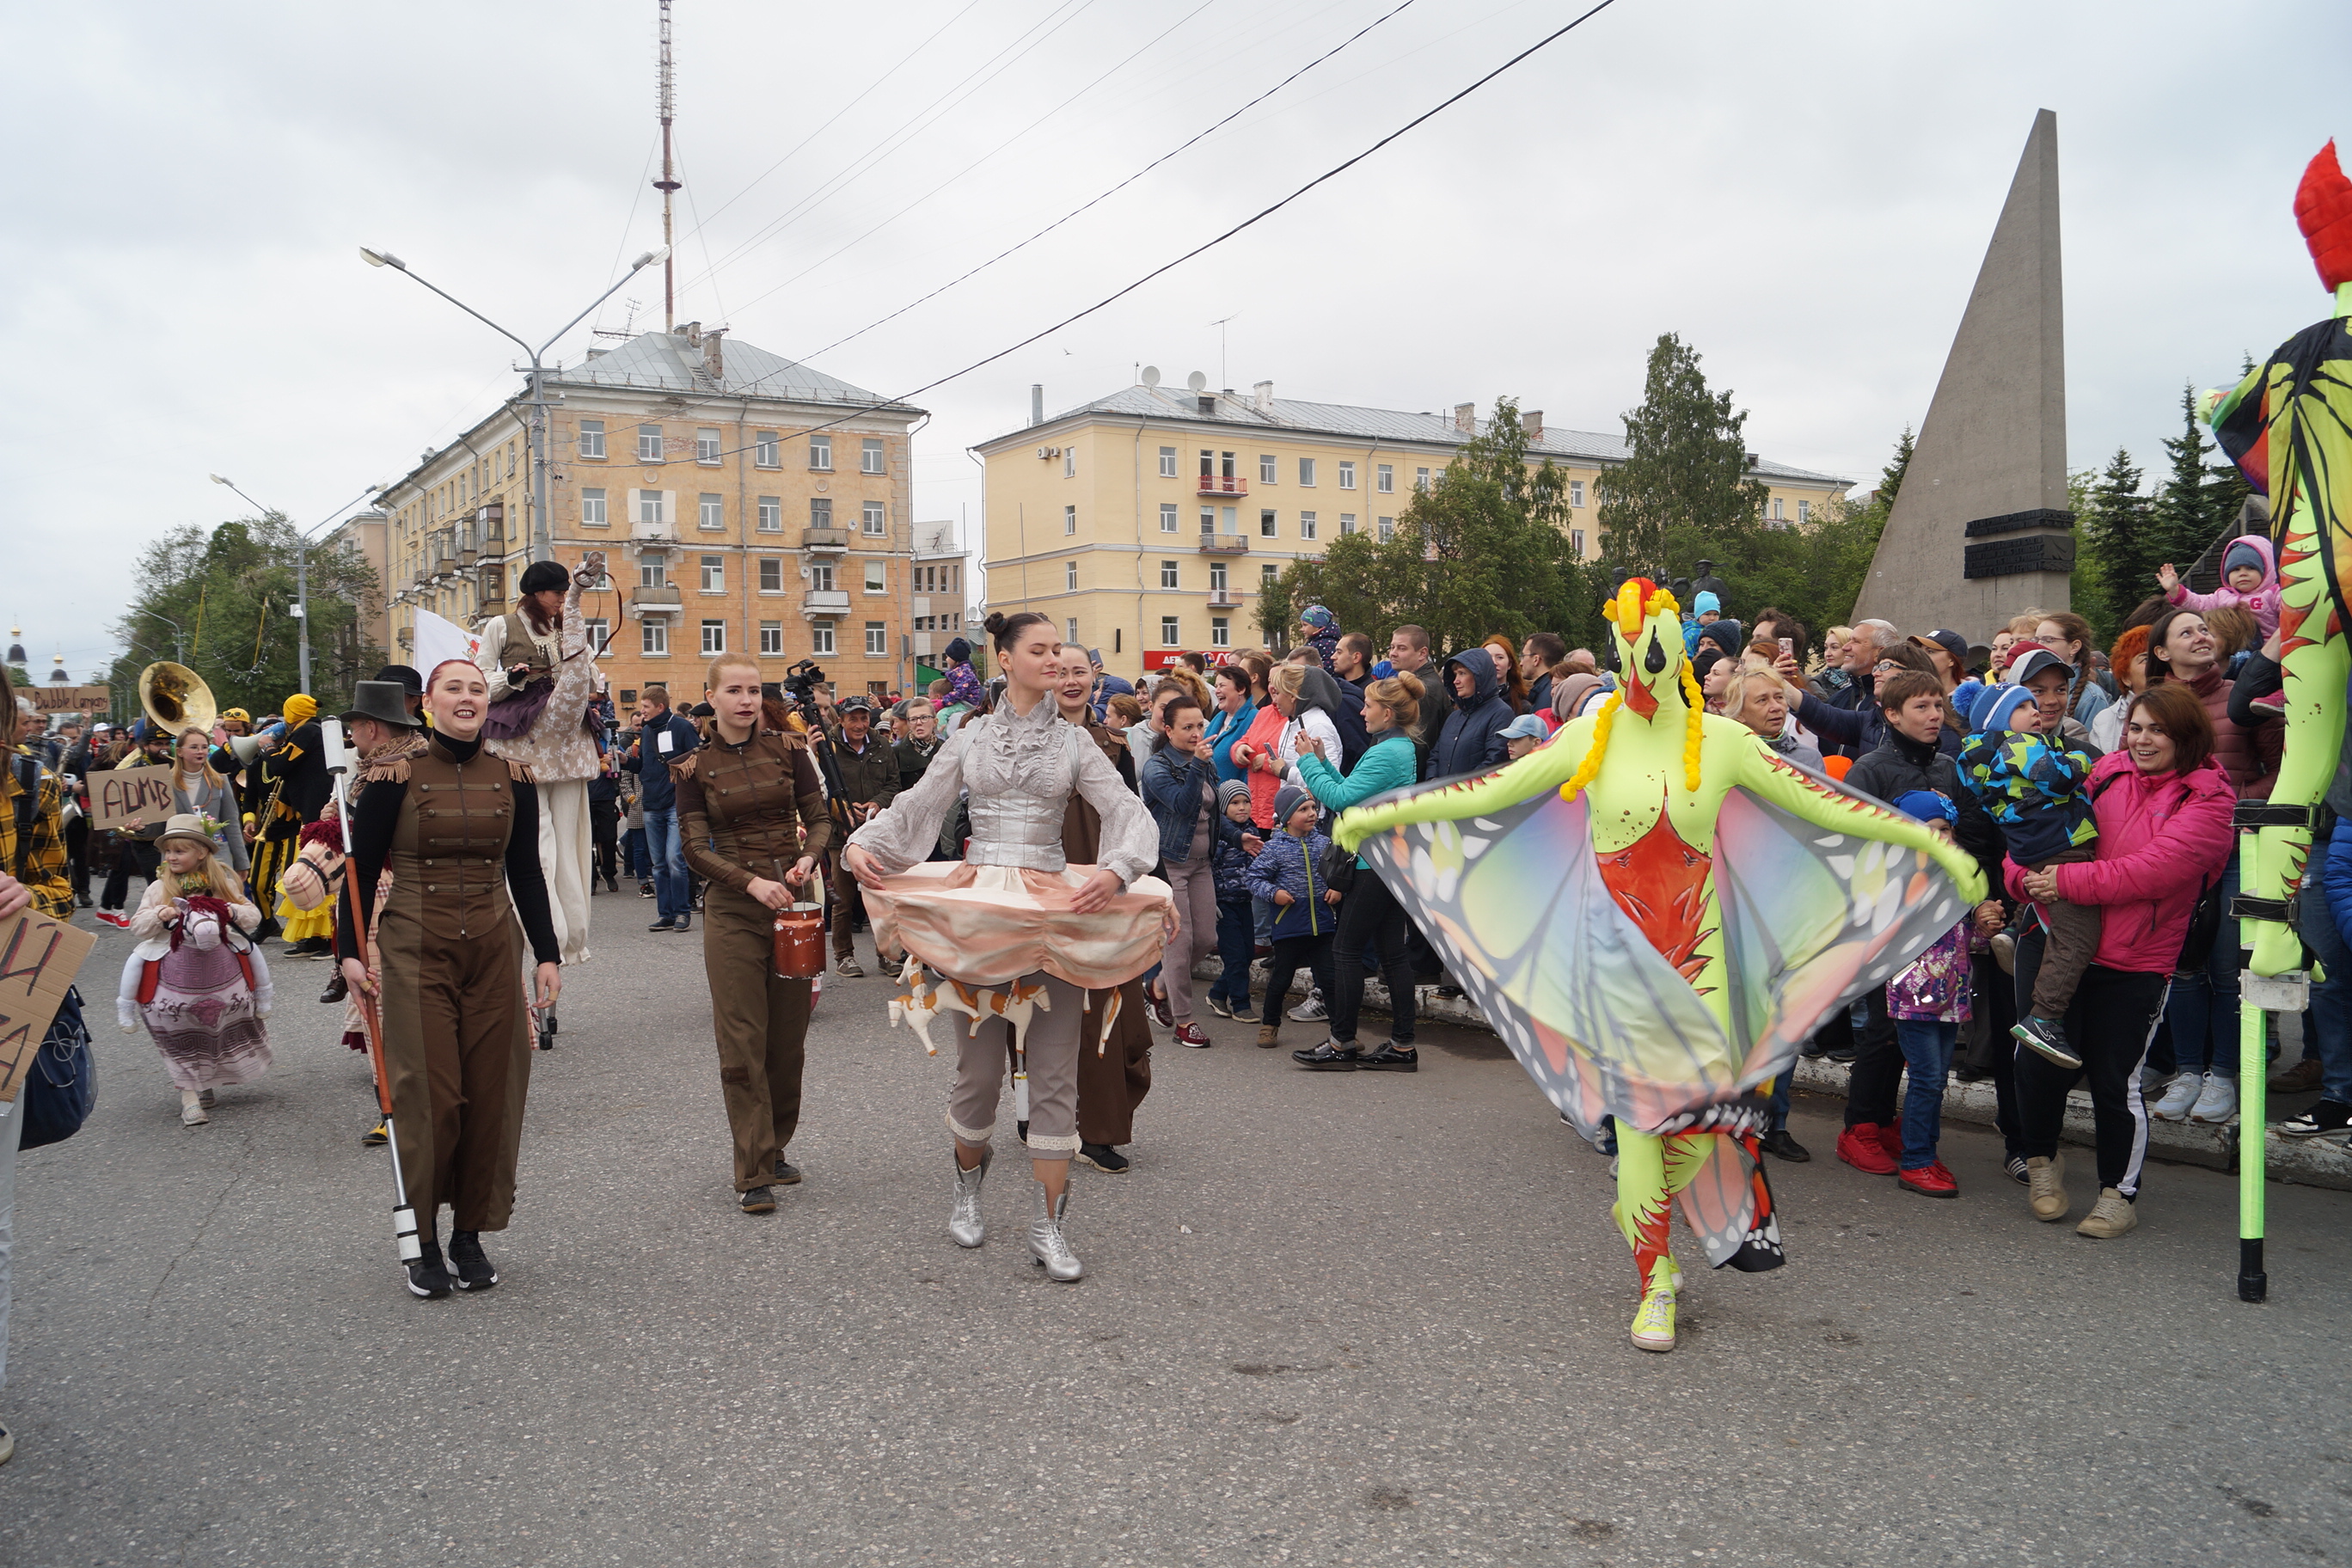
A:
[(866, 772), (662, 737)]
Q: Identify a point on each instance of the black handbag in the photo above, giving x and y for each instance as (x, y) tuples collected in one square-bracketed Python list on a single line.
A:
[(61, 1079), (1337, 868)]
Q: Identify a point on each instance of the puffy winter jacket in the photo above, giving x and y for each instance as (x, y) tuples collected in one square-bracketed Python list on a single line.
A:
[(1172, 785), (2250, 756), (1391, 763), (1470, 739), (2163, 840), (1229, 864), (2263, 604), (1289, 864)]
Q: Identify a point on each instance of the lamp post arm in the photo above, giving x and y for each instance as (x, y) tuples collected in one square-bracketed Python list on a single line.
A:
[(469, 310), (575, 321)]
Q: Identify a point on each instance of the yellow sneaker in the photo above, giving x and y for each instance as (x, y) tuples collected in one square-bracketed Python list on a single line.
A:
[(1653, 1325), (376, 1137)]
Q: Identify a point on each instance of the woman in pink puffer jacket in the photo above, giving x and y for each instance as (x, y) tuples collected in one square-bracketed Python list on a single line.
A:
[(2163, 805)]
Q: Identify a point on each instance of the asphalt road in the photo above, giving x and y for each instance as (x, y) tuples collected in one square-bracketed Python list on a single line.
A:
[(1327, 1320)]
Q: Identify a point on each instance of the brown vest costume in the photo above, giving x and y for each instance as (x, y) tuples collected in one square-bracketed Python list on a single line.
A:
[(1114, 1080)]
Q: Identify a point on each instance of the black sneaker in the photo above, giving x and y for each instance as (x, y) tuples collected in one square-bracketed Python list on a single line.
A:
[(2327, 1115), (685, 922), (2047, 1037), (1328, 1057), (1781, 1146), (1844, 1056), (759, 1200), (1390, 1057), (337, 988), (1103, 1158), (2014, 1169), (473, 1266), (645, 890), (665, 923), (787, 1173), (427, 1278)]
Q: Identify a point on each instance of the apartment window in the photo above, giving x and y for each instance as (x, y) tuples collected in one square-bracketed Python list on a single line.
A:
[(1167, 462), (714, 573), (874, 515), (1267, 465), (649, 507), (1069, 520), (821, 637), (771, 514), (1420, 480), (1069, 462), (870, 456), (1266, 572), (1265, 525), (821, 453), (878, 639), (771, 639), (1306, 525), (1388, 528), (1576, 542), (820, 511), (1776, 509), (767, 452), (591, 437), (1169, 634), (1804, 512), (1070, 629), (1347, 475), (771, 574), (1217, 584), (706, 445), (1168, 516), (600, 635), (653, 638), (713, 511), (592, 507), (1576, 492), (649, 444), (1208, 519), (1069, 576), (821, 576), (1347, 523), (1306, 470), (1221, 632), (652, 574), (1386, 478), (714, 636), (877, 579), (1168, 578)]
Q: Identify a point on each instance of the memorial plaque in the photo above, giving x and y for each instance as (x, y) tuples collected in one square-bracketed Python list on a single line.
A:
[(2019, 521), (2016, 557)]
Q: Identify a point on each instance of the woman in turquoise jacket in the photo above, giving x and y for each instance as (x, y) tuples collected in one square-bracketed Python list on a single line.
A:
[(1371, 913)]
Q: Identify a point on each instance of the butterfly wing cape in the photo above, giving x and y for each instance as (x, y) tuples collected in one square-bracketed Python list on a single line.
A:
[(1513, 901)]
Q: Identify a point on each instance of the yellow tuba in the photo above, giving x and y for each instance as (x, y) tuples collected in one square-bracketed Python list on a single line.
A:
[(176, 699)]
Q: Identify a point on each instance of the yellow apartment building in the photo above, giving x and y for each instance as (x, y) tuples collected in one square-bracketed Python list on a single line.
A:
[(1146, 521), (744, 503)]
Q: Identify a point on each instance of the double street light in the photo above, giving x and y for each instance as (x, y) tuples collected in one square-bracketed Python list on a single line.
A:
[(301, 568), (541, 548)]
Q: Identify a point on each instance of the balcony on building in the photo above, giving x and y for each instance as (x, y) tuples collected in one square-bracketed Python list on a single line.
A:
[(1225, 545), (490, 526), (1222, 485), (466, 553), (824, 602), (1224, 598), (825, 538), (654, 532), (661, 601)]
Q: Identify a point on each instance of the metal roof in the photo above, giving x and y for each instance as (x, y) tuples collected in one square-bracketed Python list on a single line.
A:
[(1291, 416), (671, 362)]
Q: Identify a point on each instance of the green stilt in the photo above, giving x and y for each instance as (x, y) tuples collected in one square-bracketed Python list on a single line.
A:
[(2253, 1069)]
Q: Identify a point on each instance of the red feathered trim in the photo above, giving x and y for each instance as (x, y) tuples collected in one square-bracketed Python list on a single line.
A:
[(2323, 210), (329, 833)]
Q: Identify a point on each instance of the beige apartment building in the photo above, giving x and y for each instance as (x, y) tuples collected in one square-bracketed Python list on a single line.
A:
[(744, 503), (1146, 521)]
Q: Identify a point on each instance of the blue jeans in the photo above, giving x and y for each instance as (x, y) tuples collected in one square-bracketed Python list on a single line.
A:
[(1927, 1058), (634, 860), (2202, 1010), (1236, 945), (668, 851), (2329, 1021), (1778, 1120)]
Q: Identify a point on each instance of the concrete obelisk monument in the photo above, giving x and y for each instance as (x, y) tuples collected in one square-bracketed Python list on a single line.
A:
[(1980, 529)]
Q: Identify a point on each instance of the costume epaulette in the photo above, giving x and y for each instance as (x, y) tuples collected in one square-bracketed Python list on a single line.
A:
[(385, 770), (520, 772), (683, 769)]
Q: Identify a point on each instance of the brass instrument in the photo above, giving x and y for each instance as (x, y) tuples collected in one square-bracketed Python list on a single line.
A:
[(175, 700)]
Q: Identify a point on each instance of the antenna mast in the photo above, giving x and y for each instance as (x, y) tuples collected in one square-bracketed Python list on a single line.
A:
[(668, 181)]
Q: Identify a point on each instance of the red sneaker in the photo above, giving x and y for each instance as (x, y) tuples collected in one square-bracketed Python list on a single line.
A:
[(1864, 1148), (1929, 1181), (1191, 1035), (1890, 1138)]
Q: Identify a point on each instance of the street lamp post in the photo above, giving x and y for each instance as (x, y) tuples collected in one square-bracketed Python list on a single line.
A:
[(542, 549), (301, 570)]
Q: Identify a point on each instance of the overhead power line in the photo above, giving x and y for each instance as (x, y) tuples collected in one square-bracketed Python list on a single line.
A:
[(1106, 195), (1254, 219)]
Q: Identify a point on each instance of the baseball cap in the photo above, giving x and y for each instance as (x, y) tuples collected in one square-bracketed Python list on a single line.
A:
[(1526, 727), (1952, 643), (855, 703)]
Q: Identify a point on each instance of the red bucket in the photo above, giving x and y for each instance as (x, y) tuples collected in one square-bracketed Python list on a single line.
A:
[(800, 942)]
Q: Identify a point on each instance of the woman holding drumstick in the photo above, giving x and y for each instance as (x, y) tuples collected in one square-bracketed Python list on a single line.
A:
[(753, 812)]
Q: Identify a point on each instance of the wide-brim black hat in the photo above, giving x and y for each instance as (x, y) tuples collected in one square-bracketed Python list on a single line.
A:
[(385, 702), (540, 576)]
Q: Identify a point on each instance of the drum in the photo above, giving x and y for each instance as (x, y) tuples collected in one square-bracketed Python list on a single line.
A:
[(800, 942)]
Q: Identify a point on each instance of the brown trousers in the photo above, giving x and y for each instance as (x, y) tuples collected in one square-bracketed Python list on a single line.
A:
[(1113, 1081), (2074, 942), (845, 905), (457, 1048), (761, 1023)]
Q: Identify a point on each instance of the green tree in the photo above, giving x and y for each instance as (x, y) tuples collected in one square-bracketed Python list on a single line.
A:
[(2183, 521), (230, 591), (1890, 478), (2115, 561), (1682, 492)]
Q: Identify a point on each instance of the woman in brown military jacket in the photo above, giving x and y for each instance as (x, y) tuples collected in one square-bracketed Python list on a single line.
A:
[(752, 814), (459, 831)]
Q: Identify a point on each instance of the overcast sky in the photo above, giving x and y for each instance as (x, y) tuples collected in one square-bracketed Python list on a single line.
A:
[(1803, 191)]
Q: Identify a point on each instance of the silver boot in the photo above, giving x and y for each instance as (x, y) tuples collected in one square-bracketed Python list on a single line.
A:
[(1046, 1242), (965, 1226)]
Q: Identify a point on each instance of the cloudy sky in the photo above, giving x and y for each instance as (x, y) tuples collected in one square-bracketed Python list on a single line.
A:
[(1803, 191)]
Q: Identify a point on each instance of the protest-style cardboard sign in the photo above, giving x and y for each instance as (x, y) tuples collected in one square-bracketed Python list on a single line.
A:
[(120, 794), (78, 700), (39, 959)]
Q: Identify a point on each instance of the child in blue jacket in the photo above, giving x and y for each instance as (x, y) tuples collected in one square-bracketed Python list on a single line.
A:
[(1287, 876), (1236, 927)]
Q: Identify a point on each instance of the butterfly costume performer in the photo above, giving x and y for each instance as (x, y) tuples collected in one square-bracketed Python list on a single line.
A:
[(2288, 427), (1656, 910)]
